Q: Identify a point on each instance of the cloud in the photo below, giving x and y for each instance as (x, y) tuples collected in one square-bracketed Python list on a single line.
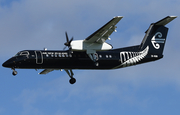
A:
[(2, 110), (91, 94), (77, 97), (34, 24)]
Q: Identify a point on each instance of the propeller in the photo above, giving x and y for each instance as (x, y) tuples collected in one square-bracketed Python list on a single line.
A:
[(68, 42)]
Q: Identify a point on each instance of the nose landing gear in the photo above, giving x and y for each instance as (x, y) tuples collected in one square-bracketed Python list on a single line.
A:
[(14, 72)]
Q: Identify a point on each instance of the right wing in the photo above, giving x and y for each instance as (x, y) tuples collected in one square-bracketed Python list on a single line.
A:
[(101, 35)]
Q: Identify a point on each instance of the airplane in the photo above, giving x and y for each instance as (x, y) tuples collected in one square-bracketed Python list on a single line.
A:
[(94, 53)]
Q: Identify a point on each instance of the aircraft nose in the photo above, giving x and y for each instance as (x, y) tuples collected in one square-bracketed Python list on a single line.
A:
[(6, 64), (9, 63)]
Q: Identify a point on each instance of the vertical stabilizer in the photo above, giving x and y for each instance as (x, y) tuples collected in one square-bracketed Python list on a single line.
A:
[(156, 35)]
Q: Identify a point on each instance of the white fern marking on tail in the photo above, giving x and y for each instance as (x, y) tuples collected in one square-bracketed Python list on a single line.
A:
[(131, 58), (155, 40)]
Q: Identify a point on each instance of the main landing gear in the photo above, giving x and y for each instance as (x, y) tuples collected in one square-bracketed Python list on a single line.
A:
[(96, 63), (14, 72), (70, 73)]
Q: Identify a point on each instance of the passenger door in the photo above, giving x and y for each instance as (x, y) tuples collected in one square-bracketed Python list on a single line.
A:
[(39, 57)]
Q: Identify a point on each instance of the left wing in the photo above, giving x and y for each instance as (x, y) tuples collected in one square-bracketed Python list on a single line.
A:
[(101, 35), (46, 71)]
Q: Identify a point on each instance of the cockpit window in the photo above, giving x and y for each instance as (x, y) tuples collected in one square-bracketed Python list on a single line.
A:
[(22, 53), (18, 54)]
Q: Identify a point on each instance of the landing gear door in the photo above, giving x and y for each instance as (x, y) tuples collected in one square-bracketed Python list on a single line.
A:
[(39, 57)]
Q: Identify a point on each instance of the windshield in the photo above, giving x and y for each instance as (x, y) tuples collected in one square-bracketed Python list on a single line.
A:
[(22, 53), (18, 54)]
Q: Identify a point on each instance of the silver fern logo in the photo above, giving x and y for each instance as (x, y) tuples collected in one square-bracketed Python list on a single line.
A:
[(156, 39), (131, 58)]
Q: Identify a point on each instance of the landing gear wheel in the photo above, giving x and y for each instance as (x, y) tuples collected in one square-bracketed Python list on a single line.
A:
[(96, 64), (72, 81), (14, 73)]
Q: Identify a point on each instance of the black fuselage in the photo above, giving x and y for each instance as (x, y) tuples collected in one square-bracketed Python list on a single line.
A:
[(90, 54), (48, 59)]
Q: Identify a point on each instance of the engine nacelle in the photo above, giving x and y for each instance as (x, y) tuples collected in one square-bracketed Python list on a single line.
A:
[(81, 45)]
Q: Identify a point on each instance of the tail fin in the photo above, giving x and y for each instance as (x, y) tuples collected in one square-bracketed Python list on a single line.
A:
[(155, 37)]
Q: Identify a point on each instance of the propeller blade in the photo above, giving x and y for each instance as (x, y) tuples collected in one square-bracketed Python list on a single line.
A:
[(68, 43), (64, 48), (71, 40), (67, 39)]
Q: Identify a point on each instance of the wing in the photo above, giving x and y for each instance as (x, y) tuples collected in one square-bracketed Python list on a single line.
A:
[(46, 71), (101, 35)]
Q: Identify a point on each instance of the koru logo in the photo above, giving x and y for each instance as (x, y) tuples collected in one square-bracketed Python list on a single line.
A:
[(156, 39)]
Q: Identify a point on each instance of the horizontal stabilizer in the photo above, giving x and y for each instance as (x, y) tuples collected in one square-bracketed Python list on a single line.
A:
[(165, 20)]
